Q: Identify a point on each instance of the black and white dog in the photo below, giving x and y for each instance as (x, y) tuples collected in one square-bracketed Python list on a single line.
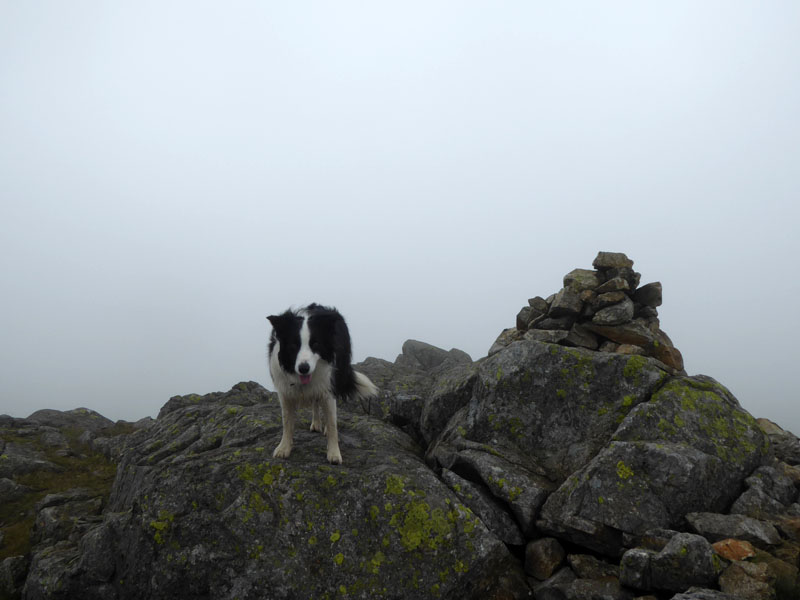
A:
[(309, 361)]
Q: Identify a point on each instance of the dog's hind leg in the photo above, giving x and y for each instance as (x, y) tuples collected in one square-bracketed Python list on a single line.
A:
[(316, 418), (331, 430), (284, 449)]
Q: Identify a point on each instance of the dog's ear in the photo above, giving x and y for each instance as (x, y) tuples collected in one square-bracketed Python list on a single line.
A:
[(273, 319)]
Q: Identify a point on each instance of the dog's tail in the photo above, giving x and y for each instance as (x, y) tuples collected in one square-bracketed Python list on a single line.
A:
[(364, 388)]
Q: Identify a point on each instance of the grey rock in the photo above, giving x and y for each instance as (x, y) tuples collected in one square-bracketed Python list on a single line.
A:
[(551, 336), (649, 294), (715, 527), (597, 589), (698, 593), (12, 576), (626, 273), (608, 299), (543, 557), (567, 303), (201, 509), (587, 566), (488, 509), (427, 357), (617, 284), (616, 314), (523, 317), (564, 322), (581, 337), (79, 418), (539, 304), (748, 581), (658, 468), (504, 339), (609, 260), (578, 280), (685, 561)]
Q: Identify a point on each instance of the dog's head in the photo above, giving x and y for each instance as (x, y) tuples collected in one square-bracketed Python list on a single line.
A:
[(304, 338)]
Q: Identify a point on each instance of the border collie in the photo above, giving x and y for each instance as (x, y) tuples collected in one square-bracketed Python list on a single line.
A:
[(309, 361)]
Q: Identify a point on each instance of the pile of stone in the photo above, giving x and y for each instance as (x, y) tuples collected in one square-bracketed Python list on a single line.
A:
[(604, 309)]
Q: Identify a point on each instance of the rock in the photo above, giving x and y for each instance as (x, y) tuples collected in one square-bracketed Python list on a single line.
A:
[(579, 280), (657, 469), (587, 566), (201, 509), (748, 581), (608, 299), (539, 304), (615, 285), (649, 294), (427, 357), (611, 260), (697, 593), (626, 273), (543, 557), (12, 576), (732, 549), (685, 561), (523, 316), (616, 314), (715, 527), (565, 322), (581, 337), (551, 336), (504, 339), (78, 418), (567, 303), (488, 509)]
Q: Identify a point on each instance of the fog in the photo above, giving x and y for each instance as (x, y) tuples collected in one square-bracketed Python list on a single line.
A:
[(173, 172)]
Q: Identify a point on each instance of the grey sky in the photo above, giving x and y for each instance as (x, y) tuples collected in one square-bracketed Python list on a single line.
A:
[(173, 172)]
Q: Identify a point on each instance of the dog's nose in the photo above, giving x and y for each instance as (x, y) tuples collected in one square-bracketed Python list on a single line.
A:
[(303, 368)]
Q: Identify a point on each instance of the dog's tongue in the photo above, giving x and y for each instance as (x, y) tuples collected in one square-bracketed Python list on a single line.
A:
[(304, 379)]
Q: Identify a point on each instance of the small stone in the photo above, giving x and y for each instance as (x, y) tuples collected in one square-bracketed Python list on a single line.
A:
[(523, 316), (607, 299), (630, 349), (564, 323), (582, 279), (646, 312), (608, 346), (539, 304), (551, 336), (543, 557), (732, 549), (617, 284), (587, 566), (567, 303), (504, 339), (626, 273), (649, 294), (717, 527), (748, 581), (614, 315), (609, 260), (582, 337)]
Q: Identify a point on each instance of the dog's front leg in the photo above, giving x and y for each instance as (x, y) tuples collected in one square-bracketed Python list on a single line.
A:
[(284, 449), (331, 430), (316, 419)]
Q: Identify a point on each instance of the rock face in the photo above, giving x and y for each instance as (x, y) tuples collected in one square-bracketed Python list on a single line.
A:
[(603, 308), (563, 466)]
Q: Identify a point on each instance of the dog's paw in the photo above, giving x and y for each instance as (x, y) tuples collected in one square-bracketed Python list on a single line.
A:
[(282, 451), (335, 457), (317, 426)]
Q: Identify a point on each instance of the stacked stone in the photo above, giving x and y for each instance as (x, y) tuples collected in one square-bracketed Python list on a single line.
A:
[(603, 309)]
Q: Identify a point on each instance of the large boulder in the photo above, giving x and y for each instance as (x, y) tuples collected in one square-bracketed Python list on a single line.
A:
[(201, 509)]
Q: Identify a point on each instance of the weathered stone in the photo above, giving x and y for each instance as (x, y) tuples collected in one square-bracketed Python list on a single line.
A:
[(504, 339), (523, 316), (551, 336), (609, 260), (543, 557), (685, 561), (564, 323), (567, 303), (486, 506), (748, 581), (637, 333), (608, 299), (649, 294), (717, 527), (581, 337), (617, 284), (697, 593), (590, 589), (732, 549), (658, 468), (578, 280), (539, 304), (626, 273), (12, 576), (631, 350), (427, 357), (616, 314), (219, 517), (587, 566), (644, 312)]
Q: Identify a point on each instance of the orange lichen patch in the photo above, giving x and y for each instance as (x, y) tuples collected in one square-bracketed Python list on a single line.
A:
[(732, 549)]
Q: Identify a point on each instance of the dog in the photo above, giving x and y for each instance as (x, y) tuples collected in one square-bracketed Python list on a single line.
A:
[(309, 361)]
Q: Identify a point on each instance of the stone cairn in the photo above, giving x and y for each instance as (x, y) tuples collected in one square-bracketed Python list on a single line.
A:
[(603, 309)]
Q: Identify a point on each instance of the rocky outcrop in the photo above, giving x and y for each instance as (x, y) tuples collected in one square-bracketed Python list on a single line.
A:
[(547, 469), (603, 309)]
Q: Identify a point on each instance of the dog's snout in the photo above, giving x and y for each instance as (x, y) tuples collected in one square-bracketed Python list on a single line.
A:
[(303, 368)]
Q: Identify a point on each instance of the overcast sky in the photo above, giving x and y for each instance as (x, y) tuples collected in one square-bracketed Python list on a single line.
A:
[(173, 172)]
